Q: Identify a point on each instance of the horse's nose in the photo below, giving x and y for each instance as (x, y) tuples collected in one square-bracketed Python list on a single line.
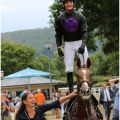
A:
[(85, 87)]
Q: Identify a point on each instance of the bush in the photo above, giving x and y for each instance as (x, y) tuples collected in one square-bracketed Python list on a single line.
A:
[(98, 80)]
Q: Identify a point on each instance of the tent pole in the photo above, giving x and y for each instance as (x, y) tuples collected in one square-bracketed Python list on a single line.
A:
[(29, 82)]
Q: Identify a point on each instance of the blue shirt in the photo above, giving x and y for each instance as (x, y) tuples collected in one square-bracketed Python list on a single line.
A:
[(116, 100)]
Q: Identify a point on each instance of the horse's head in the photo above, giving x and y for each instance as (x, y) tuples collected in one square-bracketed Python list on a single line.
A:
[(84, 80)]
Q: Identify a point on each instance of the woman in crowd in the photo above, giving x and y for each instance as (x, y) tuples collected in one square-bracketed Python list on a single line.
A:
[(57, 96), (30, 111), (5, 108)]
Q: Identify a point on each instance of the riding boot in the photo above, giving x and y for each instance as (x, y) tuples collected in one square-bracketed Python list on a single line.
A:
[(70, 81)]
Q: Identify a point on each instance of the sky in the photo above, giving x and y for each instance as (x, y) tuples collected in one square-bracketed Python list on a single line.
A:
[(24, 14)]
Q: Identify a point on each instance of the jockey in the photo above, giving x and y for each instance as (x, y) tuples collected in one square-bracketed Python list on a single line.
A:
[(73, 27)]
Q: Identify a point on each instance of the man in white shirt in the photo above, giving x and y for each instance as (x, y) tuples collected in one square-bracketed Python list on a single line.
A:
[(105, 100)]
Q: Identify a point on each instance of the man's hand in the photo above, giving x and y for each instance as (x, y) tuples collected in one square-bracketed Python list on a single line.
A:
[(60, 53), (113, 81), (81, 49)]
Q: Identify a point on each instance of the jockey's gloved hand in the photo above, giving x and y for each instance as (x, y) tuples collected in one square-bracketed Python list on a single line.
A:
[(60, 53), (81, 49)]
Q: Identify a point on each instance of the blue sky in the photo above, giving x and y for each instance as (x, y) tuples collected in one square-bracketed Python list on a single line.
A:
[(24, 14)]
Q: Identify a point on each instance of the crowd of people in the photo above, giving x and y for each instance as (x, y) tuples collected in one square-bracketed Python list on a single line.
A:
[(12, 103), (31, 100), (109, 98)]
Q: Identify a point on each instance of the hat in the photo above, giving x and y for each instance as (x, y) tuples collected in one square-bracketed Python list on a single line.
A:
[(38, 90)]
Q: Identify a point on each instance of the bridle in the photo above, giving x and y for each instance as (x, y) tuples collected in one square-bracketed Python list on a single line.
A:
[(79, 89), (80, 84)]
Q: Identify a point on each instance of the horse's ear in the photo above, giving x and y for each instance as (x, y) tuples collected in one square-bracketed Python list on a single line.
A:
[(78, 63), (88, 63)]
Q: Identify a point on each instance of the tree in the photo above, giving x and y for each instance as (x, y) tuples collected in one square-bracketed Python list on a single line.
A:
[(58, 67), (114, 64), (41, 63), (105, 64), (15, 56), (96, 59), (103, 20)]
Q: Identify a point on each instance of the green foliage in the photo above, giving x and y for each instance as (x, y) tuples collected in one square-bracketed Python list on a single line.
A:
[(41, 63), (105, 64), (15, 57), (55, 10), (113, 63), (36, 38), (96, 59), (109, 65), (58, 67), (103, 20), (98, 80)]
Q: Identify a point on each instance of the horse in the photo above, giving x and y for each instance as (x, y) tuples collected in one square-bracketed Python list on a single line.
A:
[(84, 105)]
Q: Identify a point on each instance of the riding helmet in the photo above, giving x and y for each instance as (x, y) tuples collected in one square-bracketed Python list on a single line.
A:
[(63, 1)]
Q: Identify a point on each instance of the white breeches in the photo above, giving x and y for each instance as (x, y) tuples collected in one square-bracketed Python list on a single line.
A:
[(69, 54)]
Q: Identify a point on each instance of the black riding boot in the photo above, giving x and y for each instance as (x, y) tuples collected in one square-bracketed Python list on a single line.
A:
[(70, 81)]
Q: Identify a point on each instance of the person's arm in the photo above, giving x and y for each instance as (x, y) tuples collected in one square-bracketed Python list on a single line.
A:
[(6, 105), (113, 85), (63, 99), (84, 29), (57, 103), (58, 34), (17, 105), (112, 81), (83, 33)]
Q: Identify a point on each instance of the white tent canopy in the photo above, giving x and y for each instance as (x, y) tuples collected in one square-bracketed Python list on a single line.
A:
[(34, 81), (28, 76)]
